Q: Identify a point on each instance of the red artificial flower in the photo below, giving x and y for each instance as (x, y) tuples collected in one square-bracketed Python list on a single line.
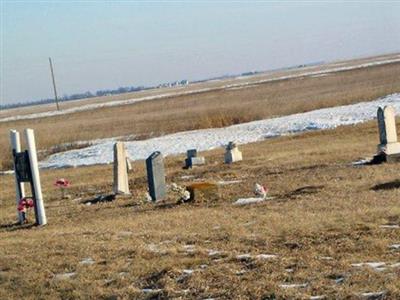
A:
[(29, 202), (25, 203), (62, 182)]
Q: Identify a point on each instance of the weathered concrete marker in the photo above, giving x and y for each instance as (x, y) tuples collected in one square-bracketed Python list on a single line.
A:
[(232, 153), (387, 131), (121, 181), (193, 160), (156, 176)]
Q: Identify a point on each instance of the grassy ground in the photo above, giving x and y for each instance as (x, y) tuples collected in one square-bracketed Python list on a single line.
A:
[(325, 216), (209, 109)]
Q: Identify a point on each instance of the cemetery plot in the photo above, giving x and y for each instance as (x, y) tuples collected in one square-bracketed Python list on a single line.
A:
[(339, 240)]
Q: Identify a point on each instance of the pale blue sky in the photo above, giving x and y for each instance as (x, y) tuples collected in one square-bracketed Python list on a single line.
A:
[(97, 44)]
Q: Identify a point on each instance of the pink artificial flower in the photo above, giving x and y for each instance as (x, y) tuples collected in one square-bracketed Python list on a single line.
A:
[(62, 182), (25, 203)]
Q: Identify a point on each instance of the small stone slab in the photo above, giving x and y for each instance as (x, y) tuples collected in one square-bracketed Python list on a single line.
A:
[(197, 161), (193, 160), (293, 285), (65, 276), (232, 153)]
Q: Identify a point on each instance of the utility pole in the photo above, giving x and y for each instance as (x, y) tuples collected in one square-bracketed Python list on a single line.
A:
[(54, 83)]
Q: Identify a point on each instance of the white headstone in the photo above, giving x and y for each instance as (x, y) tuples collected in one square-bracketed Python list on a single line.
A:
[(232, 153), (387, 131), (19, 186), (390, 124), (121, 182), (30, 141)]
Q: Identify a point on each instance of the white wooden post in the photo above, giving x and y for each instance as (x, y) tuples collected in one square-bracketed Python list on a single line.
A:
[(19, 190), (30, 140)]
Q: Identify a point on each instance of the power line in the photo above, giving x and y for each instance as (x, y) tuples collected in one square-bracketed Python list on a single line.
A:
[(54, 83)]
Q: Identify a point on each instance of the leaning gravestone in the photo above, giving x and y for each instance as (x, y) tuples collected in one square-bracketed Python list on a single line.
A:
[(156, 176), (193, 160), (121, 182), (232, 153), (389, 146)]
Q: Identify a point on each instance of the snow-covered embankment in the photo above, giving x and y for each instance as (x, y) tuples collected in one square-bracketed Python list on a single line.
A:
[(206, 139)]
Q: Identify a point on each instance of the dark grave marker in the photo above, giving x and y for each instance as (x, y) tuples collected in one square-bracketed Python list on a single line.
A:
[(22, 166), (156, 176), (192, 159)]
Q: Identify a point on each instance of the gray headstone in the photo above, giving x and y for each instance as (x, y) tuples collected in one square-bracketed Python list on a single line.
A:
[(387, 131), (232, 153), (381, 126), (22, 167), (156, 176), (231, 145), (193, 160), (191, 153)]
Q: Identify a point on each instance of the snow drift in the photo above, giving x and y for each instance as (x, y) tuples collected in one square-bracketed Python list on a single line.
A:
[(102, 151)]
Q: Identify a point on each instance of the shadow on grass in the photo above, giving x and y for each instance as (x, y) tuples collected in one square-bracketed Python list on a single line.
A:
[(100, 199), (305, 190), (153, 207), (16, 226), (387, 186)]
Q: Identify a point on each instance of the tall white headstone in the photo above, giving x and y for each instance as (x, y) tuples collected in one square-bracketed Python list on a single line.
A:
[(387, 131), (121, 182), (30, 140), (19, 187)]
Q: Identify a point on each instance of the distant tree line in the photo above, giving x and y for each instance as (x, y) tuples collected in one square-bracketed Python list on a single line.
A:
[(77, 96)]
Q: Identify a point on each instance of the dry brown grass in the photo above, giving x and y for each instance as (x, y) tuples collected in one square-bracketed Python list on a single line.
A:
[(213, 84), (210, 109), (323, 207)]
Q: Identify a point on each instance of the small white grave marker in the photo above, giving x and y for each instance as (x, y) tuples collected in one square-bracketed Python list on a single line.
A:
[(232, 153), (121, 182)]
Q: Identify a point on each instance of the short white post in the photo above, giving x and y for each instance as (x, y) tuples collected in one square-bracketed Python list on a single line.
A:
[(19, 190), (30, 140)]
